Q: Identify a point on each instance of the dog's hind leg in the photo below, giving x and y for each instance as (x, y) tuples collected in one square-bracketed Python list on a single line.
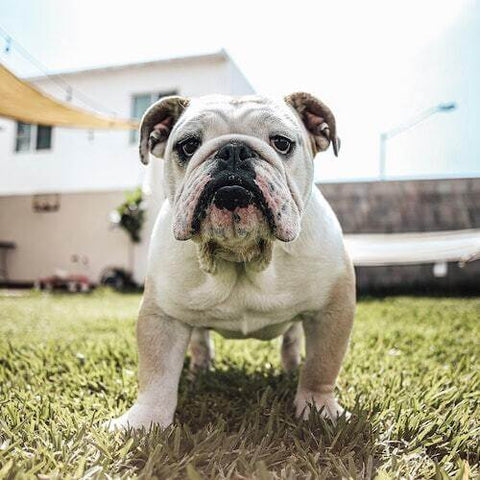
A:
[(291, 346), (201, 350)]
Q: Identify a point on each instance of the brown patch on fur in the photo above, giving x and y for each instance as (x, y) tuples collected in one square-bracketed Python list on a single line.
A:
[(327, 336), (201, 350), (318, 120), (157, 123), (291, 346), (158, 337), (149, 311), (149, 305)]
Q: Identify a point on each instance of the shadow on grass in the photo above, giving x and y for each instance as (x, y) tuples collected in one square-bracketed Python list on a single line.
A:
[(232, 423)]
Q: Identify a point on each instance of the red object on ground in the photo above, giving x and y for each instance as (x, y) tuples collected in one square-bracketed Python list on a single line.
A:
[(71, 283)]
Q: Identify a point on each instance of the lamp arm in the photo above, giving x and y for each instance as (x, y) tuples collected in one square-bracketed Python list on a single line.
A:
[(411, 123)]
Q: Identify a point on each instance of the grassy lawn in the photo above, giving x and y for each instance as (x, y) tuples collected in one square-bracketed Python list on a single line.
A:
[(411, 378)]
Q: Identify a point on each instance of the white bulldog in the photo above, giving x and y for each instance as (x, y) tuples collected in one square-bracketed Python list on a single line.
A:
[(243, 245)]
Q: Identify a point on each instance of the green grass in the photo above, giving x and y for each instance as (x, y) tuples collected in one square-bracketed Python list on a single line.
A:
[(411, 378)]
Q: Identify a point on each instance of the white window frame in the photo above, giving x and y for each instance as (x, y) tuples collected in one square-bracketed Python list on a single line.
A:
[(33, 139)]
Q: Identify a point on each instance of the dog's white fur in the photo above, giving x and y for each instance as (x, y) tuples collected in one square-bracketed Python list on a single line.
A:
[(306, 281)]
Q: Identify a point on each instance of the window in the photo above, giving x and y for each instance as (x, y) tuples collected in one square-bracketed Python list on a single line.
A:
[(44, 137), (33, 136), (24, 132), (140, 103)]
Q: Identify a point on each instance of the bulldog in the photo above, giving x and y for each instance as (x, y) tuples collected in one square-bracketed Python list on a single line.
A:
[(244, 244)]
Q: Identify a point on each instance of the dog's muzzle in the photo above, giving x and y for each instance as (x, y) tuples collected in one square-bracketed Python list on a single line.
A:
[(236, 195), (232, 184)]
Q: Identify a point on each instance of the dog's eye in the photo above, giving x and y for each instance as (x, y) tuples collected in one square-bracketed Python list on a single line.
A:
[(281, 144), (189, 147)]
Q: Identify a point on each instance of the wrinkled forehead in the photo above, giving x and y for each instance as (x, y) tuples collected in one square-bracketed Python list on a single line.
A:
[(249, 115)]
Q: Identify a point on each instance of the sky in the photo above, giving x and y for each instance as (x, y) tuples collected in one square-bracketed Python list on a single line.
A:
[(377, 64)]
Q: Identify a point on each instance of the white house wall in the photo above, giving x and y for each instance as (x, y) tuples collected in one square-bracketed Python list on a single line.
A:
[(104, 160), (92, 170)]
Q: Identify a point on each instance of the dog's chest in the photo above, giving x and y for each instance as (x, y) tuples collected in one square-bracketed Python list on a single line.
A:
[(298, 279), (242, 303), (250, 306)]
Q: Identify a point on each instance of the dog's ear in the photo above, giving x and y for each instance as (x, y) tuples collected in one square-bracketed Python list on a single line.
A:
[(157, 123), (318, 120)]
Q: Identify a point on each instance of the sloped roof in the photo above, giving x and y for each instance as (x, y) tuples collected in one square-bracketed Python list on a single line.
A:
[(220, 55)]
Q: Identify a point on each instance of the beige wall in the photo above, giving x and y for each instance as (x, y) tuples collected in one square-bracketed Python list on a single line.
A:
[(47, 241)]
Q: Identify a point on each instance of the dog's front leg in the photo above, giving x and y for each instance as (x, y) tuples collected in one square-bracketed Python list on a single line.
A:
[(162, 342), (326, 340)]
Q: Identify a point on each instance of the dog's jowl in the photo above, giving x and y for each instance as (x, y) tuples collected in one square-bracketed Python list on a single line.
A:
[(244, 245)]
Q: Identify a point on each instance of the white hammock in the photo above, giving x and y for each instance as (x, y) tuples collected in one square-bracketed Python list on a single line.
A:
[(413, 248)]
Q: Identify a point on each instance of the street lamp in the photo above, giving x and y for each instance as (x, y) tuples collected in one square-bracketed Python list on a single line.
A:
[(384, 136)]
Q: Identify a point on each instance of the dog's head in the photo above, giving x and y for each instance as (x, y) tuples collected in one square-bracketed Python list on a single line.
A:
[(238, 171)]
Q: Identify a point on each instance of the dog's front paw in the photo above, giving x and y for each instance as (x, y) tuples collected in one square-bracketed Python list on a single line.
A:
[(324, 402), (138, 417)]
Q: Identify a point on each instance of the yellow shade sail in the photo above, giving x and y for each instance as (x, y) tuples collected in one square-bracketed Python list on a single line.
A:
[(21, 101)]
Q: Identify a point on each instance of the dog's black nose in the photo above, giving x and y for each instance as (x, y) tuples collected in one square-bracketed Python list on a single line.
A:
[(234, 155), (231, 197)]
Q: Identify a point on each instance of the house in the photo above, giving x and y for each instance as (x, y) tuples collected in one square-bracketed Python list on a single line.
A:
[(58, 186)]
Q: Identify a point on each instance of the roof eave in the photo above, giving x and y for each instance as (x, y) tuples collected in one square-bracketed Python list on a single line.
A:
[(218, 55)]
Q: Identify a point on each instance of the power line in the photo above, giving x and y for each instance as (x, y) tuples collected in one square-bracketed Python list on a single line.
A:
[(57, 79)]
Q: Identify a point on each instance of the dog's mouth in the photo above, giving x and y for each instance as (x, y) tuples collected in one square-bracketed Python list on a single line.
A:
[(231, 197), (230, 193)]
